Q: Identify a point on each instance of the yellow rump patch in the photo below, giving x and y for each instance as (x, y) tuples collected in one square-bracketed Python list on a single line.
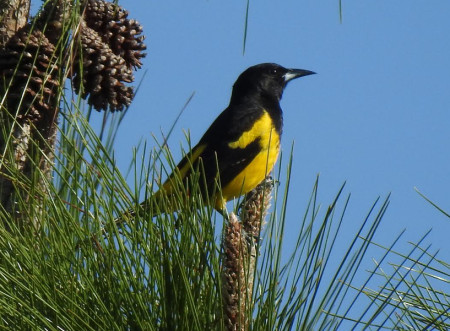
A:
[(193, 156), (181, 172)]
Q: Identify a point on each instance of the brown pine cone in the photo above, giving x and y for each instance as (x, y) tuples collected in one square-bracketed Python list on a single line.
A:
[(29, 75), (102, 73), (120, 33)]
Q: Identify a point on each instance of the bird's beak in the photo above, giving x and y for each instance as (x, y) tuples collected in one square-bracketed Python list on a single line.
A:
[(296, 73)]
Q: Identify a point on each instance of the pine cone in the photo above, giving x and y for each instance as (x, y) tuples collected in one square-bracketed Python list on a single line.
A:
[(254, 208), (52, 17), (120, 33), (29, 76), (103, 73), (233, 275)]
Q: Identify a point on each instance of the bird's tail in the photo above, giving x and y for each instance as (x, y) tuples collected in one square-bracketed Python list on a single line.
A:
[(174, 195), (159, 203)]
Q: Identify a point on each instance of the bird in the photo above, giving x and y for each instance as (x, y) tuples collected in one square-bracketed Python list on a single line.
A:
[(240, 148)]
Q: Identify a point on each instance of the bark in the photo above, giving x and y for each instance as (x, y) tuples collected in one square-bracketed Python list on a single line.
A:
[(13, 16)]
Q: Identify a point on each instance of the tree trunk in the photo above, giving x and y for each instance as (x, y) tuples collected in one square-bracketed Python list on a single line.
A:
[(28, 114)]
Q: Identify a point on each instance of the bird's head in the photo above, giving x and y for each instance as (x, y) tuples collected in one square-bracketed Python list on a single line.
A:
[(267, 80)]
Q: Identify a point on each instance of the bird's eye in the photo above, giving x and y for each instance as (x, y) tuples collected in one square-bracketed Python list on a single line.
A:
[(274, 71)]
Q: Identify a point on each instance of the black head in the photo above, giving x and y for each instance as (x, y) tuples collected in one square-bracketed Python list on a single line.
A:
[(266, 80)]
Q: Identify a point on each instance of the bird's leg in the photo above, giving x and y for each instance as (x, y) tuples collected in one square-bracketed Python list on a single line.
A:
[(224, 212)]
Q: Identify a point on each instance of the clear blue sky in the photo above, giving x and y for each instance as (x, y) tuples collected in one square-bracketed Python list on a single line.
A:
[(377, 115)]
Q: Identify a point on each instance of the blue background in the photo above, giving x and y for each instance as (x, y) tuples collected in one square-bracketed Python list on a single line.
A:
[(376, 115)]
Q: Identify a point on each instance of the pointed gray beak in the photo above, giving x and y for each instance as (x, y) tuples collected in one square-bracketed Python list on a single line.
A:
[(296, 73)]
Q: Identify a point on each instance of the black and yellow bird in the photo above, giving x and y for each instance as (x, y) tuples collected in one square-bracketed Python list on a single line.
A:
[(241, 146)]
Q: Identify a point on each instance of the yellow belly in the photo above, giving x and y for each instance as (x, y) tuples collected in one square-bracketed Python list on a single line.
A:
[(252, 175), (255, 172)]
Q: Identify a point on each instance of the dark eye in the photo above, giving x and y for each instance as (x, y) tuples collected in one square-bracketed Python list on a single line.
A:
[(274, 71)]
